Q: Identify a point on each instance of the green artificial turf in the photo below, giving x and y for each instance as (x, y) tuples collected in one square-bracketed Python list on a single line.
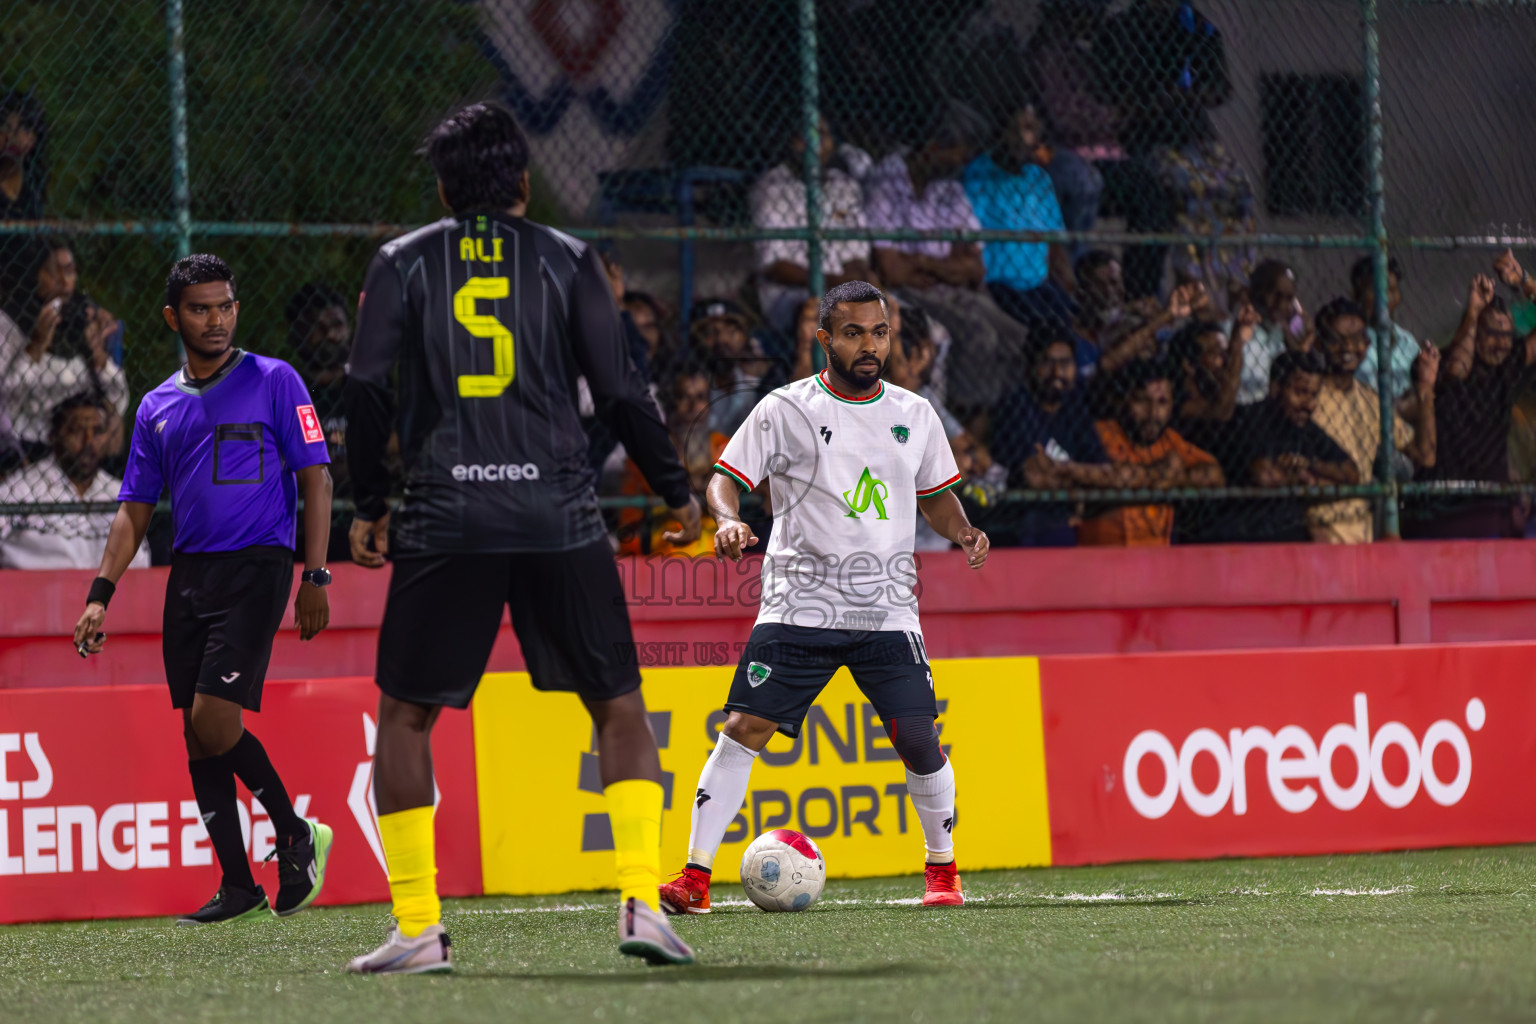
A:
[(1431, 936)]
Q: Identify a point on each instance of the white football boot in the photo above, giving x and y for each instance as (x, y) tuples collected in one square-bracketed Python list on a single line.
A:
[(645, 933), (424, 954)]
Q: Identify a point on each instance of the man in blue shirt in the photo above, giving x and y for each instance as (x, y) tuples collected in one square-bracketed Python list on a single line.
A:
[(1010, 191), (1403, 348), (232, 436), (1046, 437)]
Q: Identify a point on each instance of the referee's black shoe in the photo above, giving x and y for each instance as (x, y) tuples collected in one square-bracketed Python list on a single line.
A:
[(230, 903), (301, 869)]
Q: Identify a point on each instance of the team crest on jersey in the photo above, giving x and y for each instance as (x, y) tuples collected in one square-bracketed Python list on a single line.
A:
[(901, 433), (866, 493), (757, 674)]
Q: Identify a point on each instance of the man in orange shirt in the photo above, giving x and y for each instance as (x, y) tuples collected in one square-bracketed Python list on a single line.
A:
[(1141, 437)]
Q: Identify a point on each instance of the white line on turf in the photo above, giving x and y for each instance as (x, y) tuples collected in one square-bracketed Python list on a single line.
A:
[(562, 908), (1363, 892), (1102, 897), (911, 901)]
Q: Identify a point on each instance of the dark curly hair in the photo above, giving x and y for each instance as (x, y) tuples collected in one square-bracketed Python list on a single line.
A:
[(199, 268)]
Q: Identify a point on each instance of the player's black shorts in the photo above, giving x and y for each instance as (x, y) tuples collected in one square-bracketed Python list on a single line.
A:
[(444, 611), (784, 668), (221, 612)]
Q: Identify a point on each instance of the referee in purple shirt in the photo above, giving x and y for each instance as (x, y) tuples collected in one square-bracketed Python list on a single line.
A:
[(233, 436)]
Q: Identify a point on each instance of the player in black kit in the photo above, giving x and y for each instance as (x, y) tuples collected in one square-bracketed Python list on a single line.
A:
[(471, 336)]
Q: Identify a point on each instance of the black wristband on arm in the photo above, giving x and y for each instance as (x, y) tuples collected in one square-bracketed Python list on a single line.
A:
[(102, 590)]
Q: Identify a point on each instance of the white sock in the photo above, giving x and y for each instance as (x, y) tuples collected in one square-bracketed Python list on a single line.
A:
[(722, 788), (933, 797)]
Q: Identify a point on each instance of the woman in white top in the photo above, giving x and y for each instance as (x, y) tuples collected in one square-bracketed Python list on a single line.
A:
[(53, 344)]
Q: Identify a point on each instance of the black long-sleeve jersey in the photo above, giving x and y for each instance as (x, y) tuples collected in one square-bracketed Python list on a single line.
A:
[(471, 335)]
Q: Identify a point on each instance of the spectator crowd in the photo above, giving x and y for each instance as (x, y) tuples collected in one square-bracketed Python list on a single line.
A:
[(1155, 368), (1168, 370)]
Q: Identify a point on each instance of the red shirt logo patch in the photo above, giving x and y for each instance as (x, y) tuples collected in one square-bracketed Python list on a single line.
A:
[(310, 423)]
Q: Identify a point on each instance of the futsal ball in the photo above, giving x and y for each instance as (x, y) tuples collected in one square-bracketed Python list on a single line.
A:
[(783, 870)]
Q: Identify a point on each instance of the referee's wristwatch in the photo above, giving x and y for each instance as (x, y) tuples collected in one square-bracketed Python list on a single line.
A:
[(320, 577)]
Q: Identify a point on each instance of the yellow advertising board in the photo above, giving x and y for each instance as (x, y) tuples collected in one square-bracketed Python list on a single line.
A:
[(544, 826)]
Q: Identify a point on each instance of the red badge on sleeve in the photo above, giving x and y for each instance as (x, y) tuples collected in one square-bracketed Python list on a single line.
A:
[(310, 424)]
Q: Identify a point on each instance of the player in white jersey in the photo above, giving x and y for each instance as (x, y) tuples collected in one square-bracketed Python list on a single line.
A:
[(850, 461)]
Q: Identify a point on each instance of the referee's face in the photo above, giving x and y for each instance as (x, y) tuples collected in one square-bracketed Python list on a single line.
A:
[(205, 318)]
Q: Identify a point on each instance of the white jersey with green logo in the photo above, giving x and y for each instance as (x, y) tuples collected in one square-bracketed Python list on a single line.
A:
[(844, 476)]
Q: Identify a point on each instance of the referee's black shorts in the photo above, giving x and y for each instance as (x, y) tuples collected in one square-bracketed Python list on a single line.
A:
[(222, 610), (444, 611)]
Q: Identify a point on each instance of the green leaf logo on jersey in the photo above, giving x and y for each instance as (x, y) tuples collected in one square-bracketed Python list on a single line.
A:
[(901, 433), (868, 491)]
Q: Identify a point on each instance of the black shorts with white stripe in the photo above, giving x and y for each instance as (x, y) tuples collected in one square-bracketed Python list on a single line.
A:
[(784, 669)]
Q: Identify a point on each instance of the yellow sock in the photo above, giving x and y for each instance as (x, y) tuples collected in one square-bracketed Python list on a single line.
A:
[(634, 809), (412, 858)]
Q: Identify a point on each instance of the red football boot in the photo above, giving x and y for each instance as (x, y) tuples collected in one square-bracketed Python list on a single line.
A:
[(687, 894), (942, 883)]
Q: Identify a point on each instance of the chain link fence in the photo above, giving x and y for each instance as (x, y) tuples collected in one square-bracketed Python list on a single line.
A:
[(1170, 272)]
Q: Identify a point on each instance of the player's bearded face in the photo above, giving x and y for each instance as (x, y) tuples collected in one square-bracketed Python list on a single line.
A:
[(864, 371), (859, 343)]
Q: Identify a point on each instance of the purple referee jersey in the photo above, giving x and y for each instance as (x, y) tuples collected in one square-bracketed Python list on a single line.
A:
[(229, 449)]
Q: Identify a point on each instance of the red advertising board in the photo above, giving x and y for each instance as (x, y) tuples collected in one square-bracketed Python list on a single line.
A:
[(1191, 756), (1146, 757), (97, 817)]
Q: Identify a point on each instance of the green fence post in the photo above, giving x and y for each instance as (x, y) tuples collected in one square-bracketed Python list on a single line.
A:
[(176, 74), (810, 113), (1386, 453)]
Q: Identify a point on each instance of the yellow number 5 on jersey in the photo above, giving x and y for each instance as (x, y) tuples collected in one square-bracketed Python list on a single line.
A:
[(482, 385)]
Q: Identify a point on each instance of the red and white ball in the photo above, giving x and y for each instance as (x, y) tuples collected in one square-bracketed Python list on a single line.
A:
[(783, 870)]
